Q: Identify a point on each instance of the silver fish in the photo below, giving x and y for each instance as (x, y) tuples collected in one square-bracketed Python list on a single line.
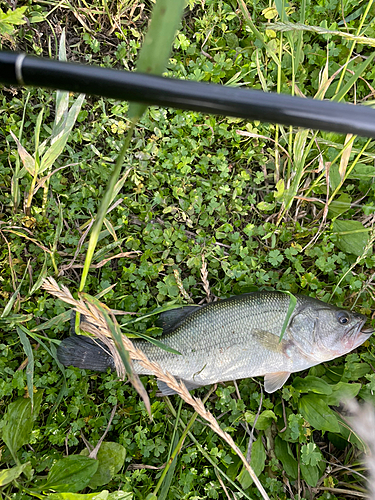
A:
[(237, 338)]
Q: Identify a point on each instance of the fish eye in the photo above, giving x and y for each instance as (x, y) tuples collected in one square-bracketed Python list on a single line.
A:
[(343, 317)]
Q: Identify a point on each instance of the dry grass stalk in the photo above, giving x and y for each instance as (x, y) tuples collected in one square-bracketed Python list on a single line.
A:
[(136, 354), (204, 276), (181, 288), (93, 322)]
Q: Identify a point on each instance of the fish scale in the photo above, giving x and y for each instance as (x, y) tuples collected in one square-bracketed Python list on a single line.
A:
[(239, 337)]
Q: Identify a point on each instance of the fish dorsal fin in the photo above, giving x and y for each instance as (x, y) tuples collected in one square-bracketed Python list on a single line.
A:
[(170, 320), (168, 391), (274, 381)]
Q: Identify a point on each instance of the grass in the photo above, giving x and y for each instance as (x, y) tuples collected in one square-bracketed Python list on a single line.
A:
[(205, 207)]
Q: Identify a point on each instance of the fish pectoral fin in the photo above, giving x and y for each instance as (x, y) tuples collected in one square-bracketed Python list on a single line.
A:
[(269, 340), (168, 391), (274, 381)]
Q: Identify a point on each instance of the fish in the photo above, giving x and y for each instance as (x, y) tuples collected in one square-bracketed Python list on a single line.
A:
[(236, 338)]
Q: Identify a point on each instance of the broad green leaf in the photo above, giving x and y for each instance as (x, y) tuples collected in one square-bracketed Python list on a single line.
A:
[(70, 474), (264, 420), (310, 454), (311, 474), (341, 392), (21, 330), (312, 384), (103, 495), (18, 422), (318, 414), (339, 206), (8, 475), (257, 462), (362, 171), (120, 495), (351, 236), (285, 455), (111, 457), (355, 371), (10, 19), (338, 441), (153, 58)]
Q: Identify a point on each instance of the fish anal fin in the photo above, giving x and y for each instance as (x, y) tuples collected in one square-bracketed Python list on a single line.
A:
[(168, 391), (170, 320), (274, 381)]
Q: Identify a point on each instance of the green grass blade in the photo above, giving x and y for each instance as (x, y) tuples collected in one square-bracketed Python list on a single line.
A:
[(169, 476), (292, 305), (30, 365), (15, 189), (56, 148), (153, 341), (114, 329), (158, 310), (106, 200), (156, 48), (299, 51), (57, 237), (349, 56), (258, 35), (53, 322), (13, 298), (42, 275), (62, 97), (37, 136), (352, 80)]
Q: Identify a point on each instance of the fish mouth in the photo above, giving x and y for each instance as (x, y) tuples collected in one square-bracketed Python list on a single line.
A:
[(359, 334), (365, 331)]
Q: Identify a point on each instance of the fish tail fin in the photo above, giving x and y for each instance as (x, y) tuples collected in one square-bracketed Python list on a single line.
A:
[(86, 353)]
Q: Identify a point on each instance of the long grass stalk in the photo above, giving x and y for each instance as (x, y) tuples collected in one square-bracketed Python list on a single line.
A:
[(368, 7), (180, 443), (97, 226), (204, 452), (94, 317)]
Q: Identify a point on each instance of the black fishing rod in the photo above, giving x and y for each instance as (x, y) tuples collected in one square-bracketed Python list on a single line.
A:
[(21, 70)]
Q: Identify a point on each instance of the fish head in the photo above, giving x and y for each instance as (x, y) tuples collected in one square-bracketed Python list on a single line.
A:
[(323, 332)]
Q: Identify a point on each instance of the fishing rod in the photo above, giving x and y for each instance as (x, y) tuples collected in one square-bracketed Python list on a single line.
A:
[(22, 70)]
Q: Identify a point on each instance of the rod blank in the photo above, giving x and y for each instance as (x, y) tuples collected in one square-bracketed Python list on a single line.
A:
[(18, 69)]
